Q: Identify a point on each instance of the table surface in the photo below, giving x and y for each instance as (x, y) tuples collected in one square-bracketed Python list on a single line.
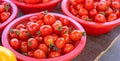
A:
[(95, 44)]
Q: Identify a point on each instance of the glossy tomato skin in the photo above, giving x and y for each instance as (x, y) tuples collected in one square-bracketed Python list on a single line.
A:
[(2, 8), (39, 54), (43, 47), (13, 33), (53, 54), (83, 11), (109, 11), (93, 13), (68, 48), (49, 19), (64, 21), (46, 30), (55, 36), (15, 43), (4, 16), (89, 4), (65, 30), (116, 5), (75, 35), (32, 43), (20, 26), (23, 35), (24, 47), (33, 19), (100, 18), (30, 53), (66, 37), (112, 17), (60, 42), (39, 39), (49, 40), (102, 6)]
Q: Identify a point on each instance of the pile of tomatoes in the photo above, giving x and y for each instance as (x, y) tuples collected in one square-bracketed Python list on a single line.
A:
[(44, 36), (34, 1), (4, 11), (95, 10)]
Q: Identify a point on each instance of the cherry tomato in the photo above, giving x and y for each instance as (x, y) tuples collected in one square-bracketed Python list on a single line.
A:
[(112, 17), (30, 53), (24, 47), (20, 26), (40, 23), (39, 39), (83, 11), (68, 48), (32, 43), (72, 10), (23, 34), (49, 19), (46, 30), (64, 21), (79, 6), (102, 6), (85, 17), (89, 4), (57, 27), (13, 33), (117, 12), (43, 47), (66, 37), (41, 15), (49, 40), (32, 1), (100, 18), (116, 5), (65, 29), (4, 16), (55, 36), (15, 43), (33, 19), (53, 54), (60, 42), (33, 28), (75, 35), (109, 11), (93, 13), (74, 3), (2, 8), (39, 54)]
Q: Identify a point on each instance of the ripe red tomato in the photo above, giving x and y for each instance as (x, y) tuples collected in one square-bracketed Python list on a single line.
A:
[(108, 12), (55, 36), (66, 37), (33, 28), (24, 47), (65, 30), (13, 33), (20, 26), (32, 43), (112, 17), (83, 11), (34, 18), (93, 13), (85, 17), (60, 42), (4, 16), (49, 40), (75, 35), (39, 39), (32, 1), (2, 8), (68, 48), (74, 3), (72, 10), (15, 43), (79, 6), (89, 4), (49, 19), (53, 54), (39, 54), (30, 53), (43, 47), (46, 30), (117, 12), (100, 18), (41, 15), (116, 5), (57, 27), (40, 23), (23, 34), (102, 6), (64, 21)]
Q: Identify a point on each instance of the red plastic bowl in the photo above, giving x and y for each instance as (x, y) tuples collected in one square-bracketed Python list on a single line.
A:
[(79, 45), (32, 8), (13, 15), (91, 28)]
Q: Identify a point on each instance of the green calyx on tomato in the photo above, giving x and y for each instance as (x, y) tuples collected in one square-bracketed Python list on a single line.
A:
[(60, 28), (38, 33), (7, 7), (83, 33), (29, 43), (45, 12)]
